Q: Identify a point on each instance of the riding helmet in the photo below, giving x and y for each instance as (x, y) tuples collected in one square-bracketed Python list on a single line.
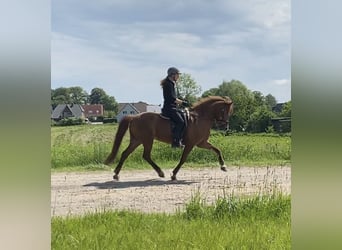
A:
[(172, 71)]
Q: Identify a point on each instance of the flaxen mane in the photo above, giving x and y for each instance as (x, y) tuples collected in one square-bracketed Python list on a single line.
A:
[(204, 102)]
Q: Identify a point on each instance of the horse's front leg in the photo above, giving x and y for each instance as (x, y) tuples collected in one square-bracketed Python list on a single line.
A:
[(207, 145), (185, 154)]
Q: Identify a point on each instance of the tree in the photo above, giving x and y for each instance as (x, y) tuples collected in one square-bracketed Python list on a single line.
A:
[(78, 95), (260, 120), (286, 112), (99, 96), (243, 100), (109, 103), (270, 101), (60, 96), (96, 95), (188, 88), (211, 92), (259, 99)]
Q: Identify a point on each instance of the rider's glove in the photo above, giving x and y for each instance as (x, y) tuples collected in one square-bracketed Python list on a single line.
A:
[(185, 104)]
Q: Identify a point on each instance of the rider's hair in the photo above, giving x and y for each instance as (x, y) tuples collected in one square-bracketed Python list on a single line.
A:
[(162, 82)]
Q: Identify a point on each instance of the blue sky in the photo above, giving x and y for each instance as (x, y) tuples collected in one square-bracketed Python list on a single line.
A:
[(126, 46)]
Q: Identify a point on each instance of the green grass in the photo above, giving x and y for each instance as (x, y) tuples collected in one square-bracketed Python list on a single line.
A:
[(261, 222), (87, 146)]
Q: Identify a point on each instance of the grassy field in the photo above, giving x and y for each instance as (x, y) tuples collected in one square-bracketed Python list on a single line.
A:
[(261, 222), (87, 146)]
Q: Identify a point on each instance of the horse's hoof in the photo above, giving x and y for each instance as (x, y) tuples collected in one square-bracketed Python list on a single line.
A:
[(116, 177), (173, 178), (224, 168), (161, 174)]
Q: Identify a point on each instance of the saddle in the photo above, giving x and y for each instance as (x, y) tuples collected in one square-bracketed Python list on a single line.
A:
[(176, 131), (185, 114)]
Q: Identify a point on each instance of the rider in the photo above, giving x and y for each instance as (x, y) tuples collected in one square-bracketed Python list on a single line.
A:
[(170, 105)]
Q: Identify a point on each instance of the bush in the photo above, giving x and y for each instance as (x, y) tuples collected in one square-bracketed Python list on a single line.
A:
[(70, 121), (260, 121), (53, 123), (109, 120), (96, 118)]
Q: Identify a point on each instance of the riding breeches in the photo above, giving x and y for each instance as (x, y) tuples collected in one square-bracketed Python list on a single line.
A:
[(177, 118)]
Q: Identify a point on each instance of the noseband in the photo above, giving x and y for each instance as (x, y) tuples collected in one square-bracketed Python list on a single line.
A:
[(223, 122)]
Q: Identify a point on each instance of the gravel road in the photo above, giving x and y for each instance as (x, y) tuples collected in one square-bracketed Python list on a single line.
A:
[(141, 190)]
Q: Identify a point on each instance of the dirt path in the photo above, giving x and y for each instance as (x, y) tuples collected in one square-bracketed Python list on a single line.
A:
[(78, 193)]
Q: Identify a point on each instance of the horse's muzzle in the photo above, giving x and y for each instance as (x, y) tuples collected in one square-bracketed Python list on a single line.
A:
[(222, 125)]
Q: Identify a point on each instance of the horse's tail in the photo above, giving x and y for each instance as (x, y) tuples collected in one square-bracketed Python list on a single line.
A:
[(123, 126)]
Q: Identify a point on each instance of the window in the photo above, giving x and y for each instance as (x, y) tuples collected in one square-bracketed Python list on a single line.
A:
[(124, 112)]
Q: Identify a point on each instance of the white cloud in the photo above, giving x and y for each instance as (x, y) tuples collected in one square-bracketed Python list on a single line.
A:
[(282, 82), (128, 45), (266, 13)]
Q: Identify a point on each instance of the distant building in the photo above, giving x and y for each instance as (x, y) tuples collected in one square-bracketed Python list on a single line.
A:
[(76, 111), (136, 108), (93, 110), (67, 111), (281, 124), (278, 107)]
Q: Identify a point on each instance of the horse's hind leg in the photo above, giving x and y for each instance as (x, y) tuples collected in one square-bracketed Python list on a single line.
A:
[(147, 157), (131, 147), (209, 146)]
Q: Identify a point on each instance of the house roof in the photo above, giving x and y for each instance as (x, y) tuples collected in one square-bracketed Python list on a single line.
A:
[(75, 109), (278, 107), (93, 109), (138, 106)]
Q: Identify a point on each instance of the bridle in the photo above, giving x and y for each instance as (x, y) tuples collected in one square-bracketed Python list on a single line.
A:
[(220, 116), (223, 120)]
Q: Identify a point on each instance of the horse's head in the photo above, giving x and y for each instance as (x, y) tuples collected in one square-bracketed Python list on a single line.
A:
[(222, 112), (215, 108)]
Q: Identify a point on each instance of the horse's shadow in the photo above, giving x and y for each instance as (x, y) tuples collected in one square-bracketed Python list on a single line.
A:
[(138, 183)]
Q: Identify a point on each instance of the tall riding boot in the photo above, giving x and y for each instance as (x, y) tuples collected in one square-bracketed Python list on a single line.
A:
[(181, 133), (177, 141)]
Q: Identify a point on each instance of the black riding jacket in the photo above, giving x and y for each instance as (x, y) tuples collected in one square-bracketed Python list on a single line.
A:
[(169, 93)]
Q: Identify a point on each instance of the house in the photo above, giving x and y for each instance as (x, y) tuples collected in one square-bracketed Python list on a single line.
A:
[(67, 111), (93, 110), (278, 107), (76, 111), (281, 124), (136, 108)]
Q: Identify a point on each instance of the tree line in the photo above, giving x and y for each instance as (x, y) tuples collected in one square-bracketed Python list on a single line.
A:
[(253, 111), (77, 95)]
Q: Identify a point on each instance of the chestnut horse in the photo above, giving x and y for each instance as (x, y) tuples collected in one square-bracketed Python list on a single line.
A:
[(145, 127)]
